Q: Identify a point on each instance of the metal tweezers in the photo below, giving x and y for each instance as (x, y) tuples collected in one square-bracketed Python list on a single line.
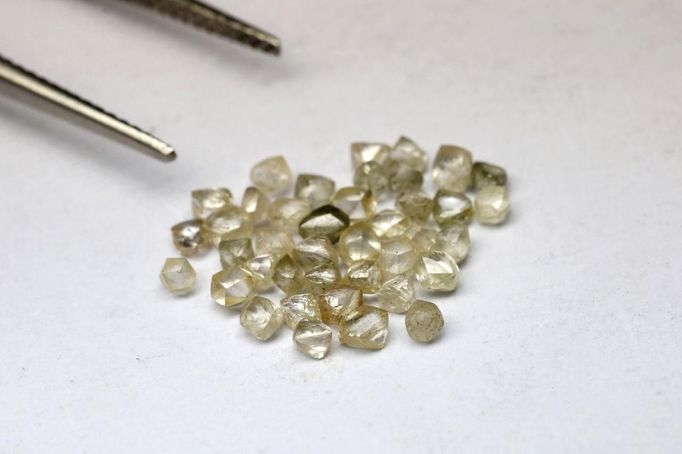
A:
[(192, 12)]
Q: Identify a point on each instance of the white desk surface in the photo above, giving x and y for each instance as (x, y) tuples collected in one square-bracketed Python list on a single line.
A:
[(566, 332)]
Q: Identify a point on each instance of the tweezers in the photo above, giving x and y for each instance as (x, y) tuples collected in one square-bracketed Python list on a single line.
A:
[(192, 12)]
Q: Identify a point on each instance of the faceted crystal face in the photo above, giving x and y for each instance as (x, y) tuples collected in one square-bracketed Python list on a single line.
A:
[(178, 276), (356, 202), (261, 317), (256, 204), (398, 256), (205, 202), (390, 224), (371, 176), (485, 174), (424, 321), (415, 204), (230, 222), (452, 168), (425, 239), (338, 303), (231, 287), (365, 275), (190, 237), (299, 307), (491, 205), (289, 276), (261, 269), (359, 242), (454, 241), (234, 252), (451, 207), (316, 189), (272, 175), (313, 338), (286, 213), (268, 239), (362, 152), (366, 328), (402, 177), (410, 154), (437, 271), (313, 251), (327, 221), (397, 294)]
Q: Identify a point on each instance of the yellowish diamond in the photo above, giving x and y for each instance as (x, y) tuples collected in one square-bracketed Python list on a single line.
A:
[(356, 202), (366, 328), (287, 213), (234, 252), (397, 294), (261, 317), (261, 269), (364, 275), (362, 152), (409, 153), (178, 276), (485, 174), (359, 242), (299, 307), (425, 239), (371, 176), (424, 321), (415, 204), (205, 202), (289, 276), (256, 204), (338, 303), (451, 207), (390, 224), (437, 271), (231, 222), (327, 221), (402, 177), (454, 240), (452, 168), (315, 189), (190, 237), (491, 205), (232, 287), (271, 175), (313, 338), (268, 239), (398, 256)]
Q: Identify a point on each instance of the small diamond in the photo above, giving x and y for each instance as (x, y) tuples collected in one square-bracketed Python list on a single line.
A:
[(425, 239), (299, 307), (402, 177), (356, 202), (205, 202), (289, 276), (491, 205), (316, 189), (326, 220), (485, 174), (397, 294), (362, 152), (178, 276), (231, 287), (268, 239), (371, 176), (272, 175), (410, 154), (359, 242), (415, 204), (338, 303), (437, 271), (234, 252), (424, 321), (256, 204), (261, 317), (390, 224), (366, 328), (364, 275), (451, 207), (190, 237), (452, 168), (261, 269), (287, 213), (313, 338), (231, 222), (398, 256), (454, 240)]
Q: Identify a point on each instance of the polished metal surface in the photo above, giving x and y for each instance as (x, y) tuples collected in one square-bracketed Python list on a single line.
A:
[(34, 84)]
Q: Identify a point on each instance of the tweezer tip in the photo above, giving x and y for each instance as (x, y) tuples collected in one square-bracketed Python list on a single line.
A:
[(169, 156)]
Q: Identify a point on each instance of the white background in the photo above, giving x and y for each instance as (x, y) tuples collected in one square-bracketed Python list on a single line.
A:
[(566, 332)]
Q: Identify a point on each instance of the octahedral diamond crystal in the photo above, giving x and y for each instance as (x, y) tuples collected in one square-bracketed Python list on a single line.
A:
[(424, 321), (485, 174), (190, 237), (231, 287), (366, 328), (491, 205), (234, 252), (415, 204), (256, 204), (261, 317), (178, 276), (303, 306), (205, 202), (425, 239), (261, 269), (359, 242), (356, 202), (373, 177), (397, 294), (230, 222), (362, 152), (452, 168), (398, 256), (326, 220), (390, 224), (365, 275), (289, 276), (409, 153), (286, 213), (336, 304), (437, 271), (454, 241), (271, 175), (268, 239), (316, 189), (313, 338), (319, 261), (451, 207), (402, 177)]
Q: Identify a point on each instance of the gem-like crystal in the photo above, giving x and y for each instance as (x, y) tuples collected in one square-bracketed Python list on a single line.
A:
[(451, 207), (326, 220), (303, 306), (205, 202), (364, 275), (271, 175), (359, 242), (454, 241), (338, 303), (362, 152), (415, 204), (289, 276), (398, 256), (261, 269), (268, 239), (190, 237), (491, 205), (452, 168), (234, 252), (437, 271), (390, 224), (397, 294), (410, 154), (424, 321), (231, 287), (313, 338), (287, 213), (425, 239), (356, 202), (313, 251), (256, 204), (373, 177), (230, 222), (367, 327), (261, 317), (402, 177), (178, 276), (316, 189), (485, 174)]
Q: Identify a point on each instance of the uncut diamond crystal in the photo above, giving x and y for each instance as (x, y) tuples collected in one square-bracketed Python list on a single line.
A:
[(451, 207), (402, 177), (362, 152), (256, 204), (313, 338), (424, 321), (261, 317), (319, 261), (271, 175), (365, 275), (359, 242), (485, 174), (390, 224), (205, 202), (286, 213), (231, 287), (356, 202), (289, 276), (371, 176), (425, 239), (437, 271), (327, 221), (454, 241), (406, 151), (397, 294), (190, 237), (452, 168), (398, 256), (178, 276), (268, 239), (234, 252), (415, 204), (230, 222), (303, 306), (366, 328), (316, 189), (336, 304), (491, 205), (261, 269)]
